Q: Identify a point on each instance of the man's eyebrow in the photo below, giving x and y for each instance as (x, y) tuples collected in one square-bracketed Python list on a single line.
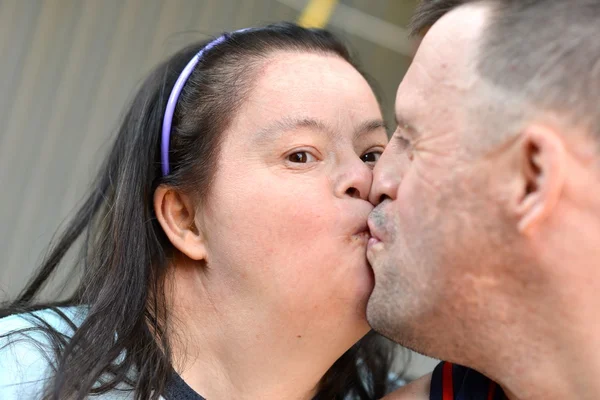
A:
[(404, 124)]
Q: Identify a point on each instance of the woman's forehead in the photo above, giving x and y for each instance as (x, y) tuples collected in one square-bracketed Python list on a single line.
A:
[(308, 74), (310, 85)]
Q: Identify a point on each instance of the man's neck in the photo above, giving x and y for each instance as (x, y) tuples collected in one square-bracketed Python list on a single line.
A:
[(560, 372), (554, 352)]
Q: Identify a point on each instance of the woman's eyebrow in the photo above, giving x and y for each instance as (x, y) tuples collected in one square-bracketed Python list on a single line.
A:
[(370, 126), (288, 124)]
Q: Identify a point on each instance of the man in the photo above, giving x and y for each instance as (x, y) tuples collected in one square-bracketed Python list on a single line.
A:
[(486, 237)]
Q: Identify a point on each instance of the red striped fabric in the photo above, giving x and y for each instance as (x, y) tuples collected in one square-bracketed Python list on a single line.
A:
[(492, 391), (448, 386)]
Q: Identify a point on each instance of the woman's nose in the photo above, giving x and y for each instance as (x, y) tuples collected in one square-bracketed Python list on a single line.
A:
[(355, 181)]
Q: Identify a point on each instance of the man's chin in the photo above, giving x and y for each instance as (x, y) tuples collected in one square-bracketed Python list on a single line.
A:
[(375, 259), (374, 311), (378, 313), (376, 325)]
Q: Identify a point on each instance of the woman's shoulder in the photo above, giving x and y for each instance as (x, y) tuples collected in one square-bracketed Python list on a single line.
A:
[(27, 354), (26, 350), (415, 390), (55, 317)]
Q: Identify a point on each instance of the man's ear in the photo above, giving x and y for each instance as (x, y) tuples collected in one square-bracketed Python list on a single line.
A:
[(541, 176), (177, 216)]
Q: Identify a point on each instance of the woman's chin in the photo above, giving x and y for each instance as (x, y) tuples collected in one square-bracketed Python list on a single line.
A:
[(362, 328)]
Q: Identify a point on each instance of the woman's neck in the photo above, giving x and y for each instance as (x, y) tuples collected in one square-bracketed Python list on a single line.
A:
[(230, 347)]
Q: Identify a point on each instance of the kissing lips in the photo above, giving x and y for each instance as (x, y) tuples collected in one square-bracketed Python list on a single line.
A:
[(375, 237), (362, 233), (373, 241)]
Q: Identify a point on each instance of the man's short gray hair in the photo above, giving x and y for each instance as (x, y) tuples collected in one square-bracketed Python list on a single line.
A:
[(545, 52)]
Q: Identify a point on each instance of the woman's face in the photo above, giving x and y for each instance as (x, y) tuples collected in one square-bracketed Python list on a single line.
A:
[(285, 219)]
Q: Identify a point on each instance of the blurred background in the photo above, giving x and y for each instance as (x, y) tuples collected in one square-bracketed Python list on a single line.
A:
[(68, 67)]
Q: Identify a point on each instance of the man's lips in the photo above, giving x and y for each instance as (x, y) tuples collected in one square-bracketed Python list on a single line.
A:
[(373, 231), (373, 241)]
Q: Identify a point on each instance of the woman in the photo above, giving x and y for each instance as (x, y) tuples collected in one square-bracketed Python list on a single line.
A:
[(223, 243)]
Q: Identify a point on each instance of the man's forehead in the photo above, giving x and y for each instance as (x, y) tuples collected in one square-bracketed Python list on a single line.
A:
[(452, 41), (445, 60), (464, 22)]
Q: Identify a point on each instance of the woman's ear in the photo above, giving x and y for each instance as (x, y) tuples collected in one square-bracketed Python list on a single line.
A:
[(177, 216), (541, 173)]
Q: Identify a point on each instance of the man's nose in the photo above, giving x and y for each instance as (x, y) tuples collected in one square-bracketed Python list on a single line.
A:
[(387, 175)]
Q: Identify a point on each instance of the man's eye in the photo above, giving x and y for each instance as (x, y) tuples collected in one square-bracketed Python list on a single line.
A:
[(405, 146), (404, 142), (371, 157), (301, 157)]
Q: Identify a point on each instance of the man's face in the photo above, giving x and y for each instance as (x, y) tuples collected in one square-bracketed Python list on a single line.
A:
[(431, 230)]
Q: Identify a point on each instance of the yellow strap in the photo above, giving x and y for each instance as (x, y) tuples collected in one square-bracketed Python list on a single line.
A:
[(317, 13)]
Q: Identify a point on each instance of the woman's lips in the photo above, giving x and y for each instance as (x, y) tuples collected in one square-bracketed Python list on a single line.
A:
[(362, 235), (362, 229)]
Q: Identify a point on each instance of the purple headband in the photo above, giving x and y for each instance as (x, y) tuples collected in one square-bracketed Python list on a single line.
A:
[(172, 103)]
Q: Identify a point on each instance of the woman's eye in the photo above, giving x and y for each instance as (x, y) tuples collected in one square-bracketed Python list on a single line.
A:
[(301, 157), (371, 157)]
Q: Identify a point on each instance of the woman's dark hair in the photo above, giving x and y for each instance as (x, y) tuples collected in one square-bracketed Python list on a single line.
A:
[(124, 253)]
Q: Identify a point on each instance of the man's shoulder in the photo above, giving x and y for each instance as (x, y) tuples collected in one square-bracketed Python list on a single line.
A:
[(461, 383)]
